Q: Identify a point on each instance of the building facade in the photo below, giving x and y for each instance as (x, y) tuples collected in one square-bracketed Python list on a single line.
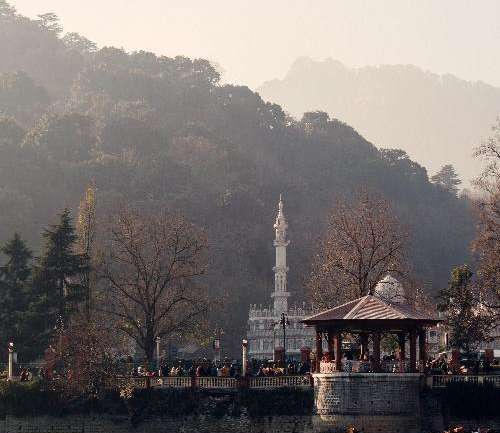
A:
[(265, 332)]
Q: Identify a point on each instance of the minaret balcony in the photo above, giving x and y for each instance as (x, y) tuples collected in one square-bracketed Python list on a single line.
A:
[(280, 294)]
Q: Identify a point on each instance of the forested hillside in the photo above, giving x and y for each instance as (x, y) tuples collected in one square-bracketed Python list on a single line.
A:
[(437, 119), (161, 131)]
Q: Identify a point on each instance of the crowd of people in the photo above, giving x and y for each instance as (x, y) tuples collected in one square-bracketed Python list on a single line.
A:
[(443, 365), (226, 368)]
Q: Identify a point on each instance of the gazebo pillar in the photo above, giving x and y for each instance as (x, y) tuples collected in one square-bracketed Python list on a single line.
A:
[(331, 345), (422, 348), (338, 351), (364, 344), (402, 351), (319, 349), (413, 350), (376, 351)]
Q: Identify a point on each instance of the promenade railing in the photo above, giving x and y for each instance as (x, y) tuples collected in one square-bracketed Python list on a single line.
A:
[(222, 383), (440, 381), (279, 382)]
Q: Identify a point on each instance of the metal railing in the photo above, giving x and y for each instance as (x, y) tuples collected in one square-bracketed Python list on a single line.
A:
[(226, 383), (173, 382), (440, 381), (216, 382), (349, 366), (279, 382)]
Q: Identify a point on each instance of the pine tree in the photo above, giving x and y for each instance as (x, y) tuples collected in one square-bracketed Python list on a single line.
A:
[(14, 288), (447, 178), (59, 268)]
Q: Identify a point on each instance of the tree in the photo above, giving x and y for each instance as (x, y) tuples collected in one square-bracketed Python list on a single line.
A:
[(59, 269), (315, 121), (86, 232), (463, 312), (486, 245), (152, 267), (50, 22), (11, 134), (364, 242), (447, 178), (6, 10), (67, 137), (14, 285), (76, 41)]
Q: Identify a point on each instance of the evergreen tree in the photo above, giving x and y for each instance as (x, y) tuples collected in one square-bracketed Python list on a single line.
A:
[(17, 269), (447, 178), (463, 312), (14, 288), (59, 268)]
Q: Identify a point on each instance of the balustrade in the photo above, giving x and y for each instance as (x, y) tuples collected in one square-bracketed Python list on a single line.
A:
[(440, 381), (216, 382), (278, 382)]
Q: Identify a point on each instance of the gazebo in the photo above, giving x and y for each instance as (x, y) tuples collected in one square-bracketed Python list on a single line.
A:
[(371, 316)]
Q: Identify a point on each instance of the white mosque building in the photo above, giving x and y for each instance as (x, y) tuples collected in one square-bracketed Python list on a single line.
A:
[(265, 333)]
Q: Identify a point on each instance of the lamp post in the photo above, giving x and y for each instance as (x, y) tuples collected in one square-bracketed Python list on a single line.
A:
[(244, 349), (219, 332), (284, 322), (158, 366), (10, 373)]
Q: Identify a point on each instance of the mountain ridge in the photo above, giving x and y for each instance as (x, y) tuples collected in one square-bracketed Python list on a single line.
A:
[(436, 118)]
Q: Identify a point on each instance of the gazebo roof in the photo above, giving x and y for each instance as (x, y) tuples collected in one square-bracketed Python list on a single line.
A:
[(371, 309)]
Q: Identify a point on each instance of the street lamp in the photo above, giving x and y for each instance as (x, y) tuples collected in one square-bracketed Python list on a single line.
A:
[(284, 322), (219, 332), (158, 366), (10, 373)]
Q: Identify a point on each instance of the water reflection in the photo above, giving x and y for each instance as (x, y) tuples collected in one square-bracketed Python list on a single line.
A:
[(367, 423)]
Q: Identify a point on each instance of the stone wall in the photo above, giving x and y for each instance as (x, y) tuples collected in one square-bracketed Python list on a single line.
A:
[(366, 394)]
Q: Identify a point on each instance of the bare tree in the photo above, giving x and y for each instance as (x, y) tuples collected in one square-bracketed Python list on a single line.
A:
[(363, 243), (152, 268), (486, 245)]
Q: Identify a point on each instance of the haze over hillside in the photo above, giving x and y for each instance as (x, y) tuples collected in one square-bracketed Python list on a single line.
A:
[(156, 131), (437, 119)]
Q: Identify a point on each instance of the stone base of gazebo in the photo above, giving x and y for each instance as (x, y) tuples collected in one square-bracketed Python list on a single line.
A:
[(376, 396), (367, 393)]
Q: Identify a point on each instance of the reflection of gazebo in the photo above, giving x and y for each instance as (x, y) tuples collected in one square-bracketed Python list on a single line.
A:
[(372, 316)]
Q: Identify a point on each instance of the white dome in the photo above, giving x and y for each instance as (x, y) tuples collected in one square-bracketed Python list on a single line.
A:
[(390, 289)]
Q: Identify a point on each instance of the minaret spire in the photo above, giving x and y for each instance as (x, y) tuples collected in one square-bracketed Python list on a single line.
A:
[(280, 293)]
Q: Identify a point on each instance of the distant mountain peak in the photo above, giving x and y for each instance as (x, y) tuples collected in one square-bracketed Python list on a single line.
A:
[(437, 119)]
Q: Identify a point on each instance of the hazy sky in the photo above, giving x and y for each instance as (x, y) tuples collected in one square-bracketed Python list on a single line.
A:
[(257, 40)]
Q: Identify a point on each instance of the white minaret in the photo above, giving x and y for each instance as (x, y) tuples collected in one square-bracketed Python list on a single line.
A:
[(280, 293)]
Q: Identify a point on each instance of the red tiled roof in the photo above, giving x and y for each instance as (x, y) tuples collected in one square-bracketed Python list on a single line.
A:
[(370, 307)]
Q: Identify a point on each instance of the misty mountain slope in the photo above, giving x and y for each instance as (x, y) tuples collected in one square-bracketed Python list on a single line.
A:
[(155, 131), (436, 119)]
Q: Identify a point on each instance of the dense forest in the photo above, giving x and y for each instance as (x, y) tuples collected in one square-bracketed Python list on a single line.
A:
[(157, 131), (437, 119)]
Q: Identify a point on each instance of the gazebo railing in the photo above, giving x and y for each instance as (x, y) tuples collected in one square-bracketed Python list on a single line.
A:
[(327, 367), (349, 366)]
